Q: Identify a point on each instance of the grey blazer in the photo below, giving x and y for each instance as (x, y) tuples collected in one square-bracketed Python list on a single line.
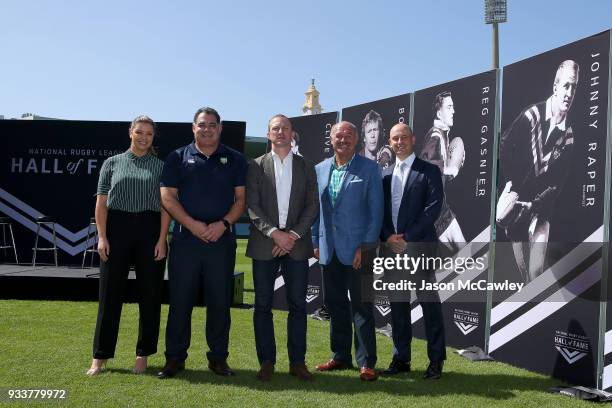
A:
[(262, 206)]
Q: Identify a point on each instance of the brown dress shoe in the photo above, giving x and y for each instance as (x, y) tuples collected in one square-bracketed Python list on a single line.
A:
[(300, 371), (368, 374), (333, 365), (265, 372), (221, 368)]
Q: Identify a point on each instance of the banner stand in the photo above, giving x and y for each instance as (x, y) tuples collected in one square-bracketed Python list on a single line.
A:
[(491, 272), (582, 393), (474, 353), (605, 290)]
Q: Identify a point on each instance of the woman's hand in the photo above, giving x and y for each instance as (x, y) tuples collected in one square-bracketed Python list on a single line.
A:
[(160, 250), (103, 248)]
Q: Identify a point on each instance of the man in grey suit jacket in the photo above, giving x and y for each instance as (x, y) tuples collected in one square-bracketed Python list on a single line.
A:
[(282, 203)]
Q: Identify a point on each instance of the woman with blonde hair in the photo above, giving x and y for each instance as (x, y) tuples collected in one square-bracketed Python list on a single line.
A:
[(132, 228)]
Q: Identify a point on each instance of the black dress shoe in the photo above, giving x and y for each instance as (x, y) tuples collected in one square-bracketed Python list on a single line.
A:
[(171, 368), (397, 367), (220, 367), (434, 371)]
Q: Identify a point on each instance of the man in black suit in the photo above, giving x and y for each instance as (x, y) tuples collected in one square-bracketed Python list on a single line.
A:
[(283, 203), (413, 199)]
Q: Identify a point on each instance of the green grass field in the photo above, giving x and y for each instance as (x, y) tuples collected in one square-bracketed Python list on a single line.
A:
[(48, 345)]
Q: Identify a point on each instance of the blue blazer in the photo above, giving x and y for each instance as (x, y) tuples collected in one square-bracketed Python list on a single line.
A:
[(420, 206), (356, 218)]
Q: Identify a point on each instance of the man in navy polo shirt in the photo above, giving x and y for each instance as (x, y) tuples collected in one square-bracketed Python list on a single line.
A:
[(203, 188)]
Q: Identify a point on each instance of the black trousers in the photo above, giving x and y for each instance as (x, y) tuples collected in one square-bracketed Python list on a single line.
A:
[(132, 238), (432, 319), (194, 264), (429, 300)]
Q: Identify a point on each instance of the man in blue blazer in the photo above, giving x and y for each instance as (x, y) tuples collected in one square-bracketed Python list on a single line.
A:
[(345, 237), (413, 199)]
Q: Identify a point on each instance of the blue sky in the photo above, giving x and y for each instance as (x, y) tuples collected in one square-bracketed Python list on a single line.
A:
[(113, 60)]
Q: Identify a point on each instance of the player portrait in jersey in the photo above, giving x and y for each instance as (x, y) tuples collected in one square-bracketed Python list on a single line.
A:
[(535, 157), (373, 140), (448, 153)]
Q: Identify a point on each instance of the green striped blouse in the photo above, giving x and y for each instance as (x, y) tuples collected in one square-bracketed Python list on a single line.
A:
[(131, 182)]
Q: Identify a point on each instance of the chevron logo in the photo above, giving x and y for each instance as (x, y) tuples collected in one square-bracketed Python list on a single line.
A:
[(312, 293), (70, 242), (382, 305), (542, 309), (466, 328), (479, 243), (466, 320), (571, 356), (571, 346), (383, 310)]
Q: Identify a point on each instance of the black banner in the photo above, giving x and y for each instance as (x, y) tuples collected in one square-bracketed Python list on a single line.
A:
[(374, 120), (454, 125), (311, 136), (550, 210), (51, 167), (606, 377)]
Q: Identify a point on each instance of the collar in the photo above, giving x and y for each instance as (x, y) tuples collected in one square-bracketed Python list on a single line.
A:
[(408, 160), (560, 125), (288, 158), (130, 154), (193, 150), (439, 124), (344, 166)]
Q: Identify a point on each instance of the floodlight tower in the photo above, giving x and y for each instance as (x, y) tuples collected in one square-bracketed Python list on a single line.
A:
[(495, 12)]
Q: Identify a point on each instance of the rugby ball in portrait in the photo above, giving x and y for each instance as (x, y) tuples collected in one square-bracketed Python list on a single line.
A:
[(456, 153)]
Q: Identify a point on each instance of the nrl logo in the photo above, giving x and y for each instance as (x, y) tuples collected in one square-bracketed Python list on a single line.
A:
[(572, 347), (312, 293), (466, 328), (382, 305), (571, 356), (465, 320)]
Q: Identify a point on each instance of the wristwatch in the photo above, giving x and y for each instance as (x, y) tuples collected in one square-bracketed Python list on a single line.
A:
[(226, 223)]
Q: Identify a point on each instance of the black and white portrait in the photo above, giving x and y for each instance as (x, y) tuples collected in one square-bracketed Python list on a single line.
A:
[(541, 140), (448, 153), (295, 144), (374, 140), (454, 126), (375, 119)]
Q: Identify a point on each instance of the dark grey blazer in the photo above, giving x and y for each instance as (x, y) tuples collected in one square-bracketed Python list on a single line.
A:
[(263, 207)]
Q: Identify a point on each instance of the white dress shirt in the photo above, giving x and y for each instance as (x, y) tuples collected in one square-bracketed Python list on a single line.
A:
[(398, 182), (283, 174)]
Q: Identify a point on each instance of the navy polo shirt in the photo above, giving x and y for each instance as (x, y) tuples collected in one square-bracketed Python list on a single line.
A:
[(205, 184)]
